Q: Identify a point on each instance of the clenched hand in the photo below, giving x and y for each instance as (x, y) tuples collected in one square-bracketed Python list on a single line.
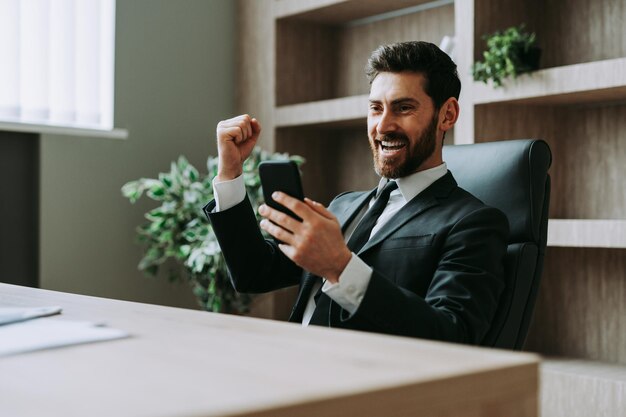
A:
[(236, 138)]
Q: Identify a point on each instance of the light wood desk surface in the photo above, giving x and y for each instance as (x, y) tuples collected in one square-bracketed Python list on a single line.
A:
[(181, 362)]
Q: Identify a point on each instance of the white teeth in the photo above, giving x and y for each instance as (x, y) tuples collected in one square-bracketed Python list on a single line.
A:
[(392, 144)]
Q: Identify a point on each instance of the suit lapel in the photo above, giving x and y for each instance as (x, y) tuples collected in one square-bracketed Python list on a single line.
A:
[(420, 203), (354, 208)]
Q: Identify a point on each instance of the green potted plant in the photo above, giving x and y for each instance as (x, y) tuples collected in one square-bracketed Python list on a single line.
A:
[(509, 53), (178, 230)]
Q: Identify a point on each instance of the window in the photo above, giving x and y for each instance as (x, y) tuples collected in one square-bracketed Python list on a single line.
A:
[(57, 62)]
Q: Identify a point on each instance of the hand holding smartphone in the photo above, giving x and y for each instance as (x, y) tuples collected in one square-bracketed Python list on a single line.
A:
[(281, 176)]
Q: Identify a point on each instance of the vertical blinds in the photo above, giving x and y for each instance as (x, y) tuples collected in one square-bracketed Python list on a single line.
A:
[(57, 62)]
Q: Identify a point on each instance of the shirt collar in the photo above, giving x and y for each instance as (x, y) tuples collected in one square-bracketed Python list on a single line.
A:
[(411, 185)]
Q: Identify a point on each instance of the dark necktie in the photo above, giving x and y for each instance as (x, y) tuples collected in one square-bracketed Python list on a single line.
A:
[(326, 311), (362, 233)]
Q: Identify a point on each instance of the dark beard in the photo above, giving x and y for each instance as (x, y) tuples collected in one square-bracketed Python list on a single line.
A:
[(416, 154)]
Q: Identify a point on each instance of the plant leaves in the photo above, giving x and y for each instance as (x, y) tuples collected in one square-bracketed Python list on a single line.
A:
[(505, 56), (177, 228)]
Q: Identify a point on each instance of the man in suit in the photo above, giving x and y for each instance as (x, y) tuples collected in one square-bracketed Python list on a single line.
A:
[(417, 256)]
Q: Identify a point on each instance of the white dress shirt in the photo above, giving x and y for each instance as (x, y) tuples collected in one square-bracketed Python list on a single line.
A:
[(348, 292)]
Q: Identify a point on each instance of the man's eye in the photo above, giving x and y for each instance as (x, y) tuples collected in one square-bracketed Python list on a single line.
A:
[(405, 109), (375, 108)]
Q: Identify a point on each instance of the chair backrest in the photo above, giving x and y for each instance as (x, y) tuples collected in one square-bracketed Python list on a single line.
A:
[(513, 177)]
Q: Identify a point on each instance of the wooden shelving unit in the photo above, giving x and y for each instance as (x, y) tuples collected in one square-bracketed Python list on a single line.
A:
[(576, 103), (345, 111), (309, 88), (580, 388), (587, 233), (338, 11), (320, 99), (591, 82)]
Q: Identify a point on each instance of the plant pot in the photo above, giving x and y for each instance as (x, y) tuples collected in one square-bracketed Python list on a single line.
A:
[(530, 58)]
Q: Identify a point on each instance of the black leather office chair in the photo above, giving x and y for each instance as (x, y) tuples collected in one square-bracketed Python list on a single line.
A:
[(513, 177)]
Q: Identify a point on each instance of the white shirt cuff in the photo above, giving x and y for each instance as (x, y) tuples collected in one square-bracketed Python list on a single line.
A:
[(228, 193), (348, 292)]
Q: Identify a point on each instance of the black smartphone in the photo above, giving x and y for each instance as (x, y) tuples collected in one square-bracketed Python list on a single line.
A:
[(280, 176)]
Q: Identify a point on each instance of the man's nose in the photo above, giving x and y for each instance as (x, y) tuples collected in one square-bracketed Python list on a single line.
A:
[(386, 123)]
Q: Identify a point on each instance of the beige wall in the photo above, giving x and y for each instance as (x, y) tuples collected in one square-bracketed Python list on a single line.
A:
[(174, 81)]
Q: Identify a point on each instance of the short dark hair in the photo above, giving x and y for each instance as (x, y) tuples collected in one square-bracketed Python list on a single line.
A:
[(442, 79)]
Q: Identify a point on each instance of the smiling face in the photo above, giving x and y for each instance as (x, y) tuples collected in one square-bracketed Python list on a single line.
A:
[(403, 125)]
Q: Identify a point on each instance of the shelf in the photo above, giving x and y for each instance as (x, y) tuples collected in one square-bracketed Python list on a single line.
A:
[(587, 233), (338, 11), (599, 81), (571, 388), (345, 111)]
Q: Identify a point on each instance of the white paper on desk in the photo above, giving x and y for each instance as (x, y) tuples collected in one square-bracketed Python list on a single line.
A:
[(15, 314), (46, 333)]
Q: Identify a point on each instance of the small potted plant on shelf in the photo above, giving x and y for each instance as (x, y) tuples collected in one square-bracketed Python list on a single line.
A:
[(509, 53), (178, 229)]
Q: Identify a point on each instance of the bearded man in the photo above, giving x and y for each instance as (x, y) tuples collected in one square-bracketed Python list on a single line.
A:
[(417, 256)]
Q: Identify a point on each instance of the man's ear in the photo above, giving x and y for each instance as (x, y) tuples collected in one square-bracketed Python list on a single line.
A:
[(448, 114)]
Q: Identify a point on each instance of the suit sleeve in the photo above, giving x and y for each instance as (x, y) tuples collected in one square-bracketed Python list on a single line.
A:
[(463, 295), (255, 264)]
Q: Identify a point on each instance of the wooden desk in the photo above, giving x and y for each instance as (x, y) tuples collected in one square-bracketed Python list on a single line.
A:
[(191, 363)]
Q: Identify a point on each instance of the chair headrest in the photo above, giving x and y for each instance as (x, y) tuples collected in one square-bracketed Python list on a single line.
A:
[(508, 175)]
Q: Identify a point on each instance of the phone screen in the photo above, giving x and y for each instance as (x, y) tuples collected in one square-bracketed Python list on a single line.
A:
[(281, 176)]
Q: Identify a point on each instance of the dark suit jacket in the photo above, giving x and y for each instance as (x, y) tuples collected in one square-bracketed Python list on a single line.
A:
[(438, 263)]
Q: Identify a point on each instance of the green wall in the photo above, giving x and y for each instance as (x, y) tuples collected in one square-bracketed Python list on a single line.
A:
[(174, 80)]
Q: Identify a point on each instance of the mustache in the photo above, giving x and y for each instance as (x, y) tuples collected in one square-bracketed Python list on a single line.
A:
[(392, 136)]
